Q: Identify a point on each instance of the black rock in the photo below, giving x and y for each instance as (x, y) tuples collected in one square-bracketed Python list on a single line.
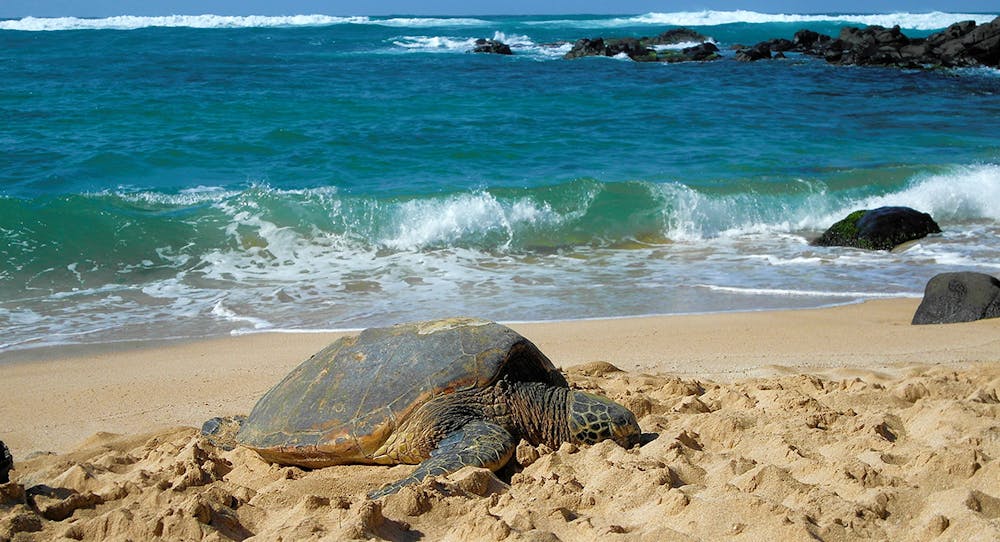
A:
[(879, 229), (492, 47), (807, 41), (677, 35), (641, 49), (702, 52), (761, 51), (6, 463), (599, 47), (961, 44), (983, 43), (959, 297)]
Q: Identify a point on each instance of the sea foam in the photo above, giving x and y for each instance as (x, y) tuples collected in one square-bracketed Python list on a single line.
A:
[(132, 22), (964, 193), (915, 21)]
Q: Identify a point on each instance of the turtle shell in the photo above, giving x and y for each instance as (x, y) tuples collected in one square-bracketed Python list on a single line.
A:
[(341, 405)]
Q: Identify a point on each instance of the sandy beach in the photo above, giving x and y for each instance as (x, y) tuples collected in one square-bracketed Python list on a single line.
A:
[(840, 423)]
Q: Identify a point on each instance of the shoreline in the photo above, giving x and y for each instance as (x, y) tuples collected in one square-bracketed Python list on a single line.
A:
[(52, 352), (59, 397)]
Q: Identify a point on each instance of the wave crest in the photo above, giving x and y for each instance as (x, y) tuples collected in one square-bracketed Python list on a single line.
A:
[(133, 22), (911, 21), (914, 21)]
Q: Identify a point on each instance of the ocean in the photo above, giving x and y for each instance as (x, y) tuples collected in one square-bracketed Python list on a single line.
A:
[(198, 176)]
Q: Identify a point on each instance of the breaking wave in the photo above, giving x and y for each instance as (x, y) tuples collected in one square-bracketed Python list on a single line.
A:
[(914, 21), (131, 22)]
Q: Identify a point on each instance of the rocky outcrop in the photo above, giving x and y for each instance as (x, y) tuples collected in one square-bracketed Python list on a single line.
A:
[(645, 49), (879, 229), (962, 44), (495, 47), (761, 51), (677, 36), (959, 297), (699, 53)]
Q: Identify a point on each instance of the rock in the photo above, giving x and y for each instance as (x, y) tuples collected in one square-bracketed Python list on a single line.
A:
[(701, 52), (761, 51), (641, 49), (6, 463), (677, 35), (961, 44), (807, 41), (492, 47), (873, 45), (959, 297), (764, 50), (983, 43), (879, 229), (631, 47), (587, 47)]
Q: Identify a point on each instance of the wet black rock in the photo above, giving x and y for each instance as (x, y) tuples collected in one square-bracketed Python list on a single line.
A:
[(959, 297), (494, 47), (645, 49), (963, 44), (879, 229)]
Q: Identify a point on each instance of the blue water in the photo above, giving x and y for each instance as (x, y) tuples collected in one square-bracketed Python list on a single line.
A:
[(198, 176)]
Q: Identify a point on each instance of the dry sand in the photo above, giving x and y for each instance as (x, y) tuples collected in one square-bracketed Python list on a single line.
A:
[(844, 423)]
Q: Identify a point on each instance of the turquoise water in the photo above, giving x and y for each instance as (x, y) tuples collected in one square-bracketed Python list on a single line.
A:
[(197, 176)]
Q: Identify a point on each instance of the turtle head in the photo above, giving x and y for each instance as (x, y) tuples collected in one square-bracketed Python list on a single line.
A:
[(593, 418)]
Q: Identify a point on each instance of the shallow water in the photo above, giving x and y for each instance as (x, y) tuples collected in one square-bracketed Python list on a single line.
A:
[(194, 176)]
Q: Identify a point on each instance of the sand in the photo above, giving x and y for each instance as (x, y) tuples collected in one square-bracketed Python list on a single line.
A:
[(842, 423)]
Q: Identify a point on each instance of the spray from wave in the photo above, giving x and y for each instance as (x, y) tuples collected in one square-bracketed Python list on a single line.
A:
[(913, 21), (132, 22)]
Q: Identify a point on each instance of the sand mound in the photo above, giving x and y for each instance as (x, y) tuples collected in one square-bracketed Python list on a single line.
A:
[(907, 456)]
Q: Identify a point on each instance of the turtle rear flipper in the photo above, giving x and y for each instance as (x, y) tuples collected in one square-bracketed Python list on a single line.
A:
[(478, 443), (221, 431)]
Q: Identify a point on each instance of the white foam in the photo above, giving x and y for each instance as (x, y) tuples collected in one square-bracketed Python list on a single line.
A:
[(423, 22), (514, 40), (461, 44), (435, 43), (965, 193), (221, 311), (423, 223), (806, 293), (915, 21), (132, 22), (681, 45)]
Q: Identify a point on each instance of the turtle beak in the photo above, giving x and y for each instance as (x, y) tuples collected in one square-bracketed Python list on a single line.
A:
[(627, 434)]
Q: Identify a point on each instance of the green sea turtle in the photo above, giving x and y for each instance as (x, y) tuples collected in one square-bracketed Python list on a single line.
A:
[(444, 394)]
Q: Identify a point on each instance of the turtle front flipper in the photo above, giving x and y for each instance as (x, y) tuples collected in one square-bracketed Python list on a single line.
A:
[(478, 444)]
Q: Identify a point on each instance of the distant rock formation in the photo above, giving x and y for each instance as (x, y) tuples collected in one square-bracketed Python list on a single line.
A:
[(644, 49), (962, 44), (959, 297), (495, 47), (879, 229)]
